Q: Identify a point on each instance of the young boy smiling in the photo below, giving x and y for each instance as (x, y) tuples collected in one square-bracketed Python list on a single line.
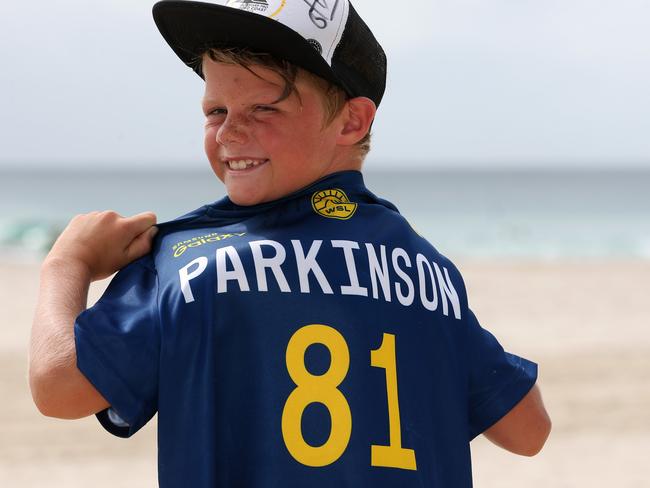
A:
[(286, 140), (305, 335)]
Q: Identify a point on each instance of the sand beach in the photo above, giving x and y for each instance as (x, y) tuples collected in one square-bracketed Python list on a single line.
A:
[(585, 322)]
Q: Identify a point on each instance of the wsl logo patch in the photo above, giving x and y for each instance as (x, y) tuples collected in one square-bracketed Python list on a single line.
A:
[(271, 8), (333, 204)]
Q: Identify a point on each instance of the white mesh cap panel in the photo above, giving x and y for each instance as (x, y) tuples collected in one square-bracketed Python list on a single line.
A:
[(320, 22)]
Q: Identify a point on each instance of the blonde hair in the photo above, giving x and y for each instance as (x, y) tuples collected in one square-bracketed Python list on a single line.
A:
[(334, 97)]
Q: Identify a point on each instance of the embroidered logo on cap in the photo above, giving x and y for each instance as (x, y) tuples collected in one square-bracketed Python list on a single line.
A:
[(271, 8), (333, 204), (316, 45)]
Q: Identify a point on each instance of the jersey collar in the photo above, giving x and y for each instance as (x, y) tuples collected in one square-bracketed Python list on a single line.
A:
[(226, 212), (350, 181)]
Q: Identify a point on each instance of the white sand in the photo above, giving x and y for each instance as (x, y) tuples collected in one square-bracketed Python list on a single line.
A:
[(586, 324)]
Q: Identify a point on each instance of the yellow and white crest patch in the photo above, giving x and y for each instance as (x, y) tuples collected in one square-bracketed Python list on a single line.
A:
[(333, 204)]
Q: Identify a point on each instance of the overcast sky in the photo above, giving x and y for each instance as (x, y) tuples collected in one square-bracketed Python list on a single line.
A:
[(471, 82)]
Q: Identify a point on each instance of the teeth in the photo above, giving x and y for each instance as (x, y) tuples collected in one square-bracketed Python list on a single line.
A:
[(243, 164)]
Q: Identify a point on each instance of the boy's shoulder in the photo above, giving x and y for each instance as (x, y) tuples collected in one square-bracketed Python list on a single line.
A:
[(182, 220), (331, 199), (338, 206)]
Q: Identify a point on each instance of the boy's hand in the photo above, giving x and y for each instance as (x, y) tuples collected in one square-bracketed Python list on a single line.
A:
[(104, 242)]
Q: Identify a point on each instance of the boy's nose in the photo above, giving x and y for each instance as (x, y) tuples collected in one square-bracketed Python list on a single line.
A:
[(232, 131)]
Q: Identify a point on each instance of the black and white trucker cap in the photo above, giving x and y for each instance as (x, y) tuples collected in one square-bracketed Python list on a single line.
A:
[(325, 37)]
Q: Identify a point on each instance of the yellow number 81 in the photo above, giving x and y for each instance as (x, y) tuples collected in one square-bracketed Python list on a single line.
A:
[(324, 389)]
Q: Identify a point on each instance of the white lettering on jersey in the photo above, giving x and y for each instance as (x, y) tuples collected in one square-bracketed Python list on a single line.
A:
[(354, 288), (237, 274), (389, 272), (309, 264), (406, 300), (379, 272), (447, 291), (273, 263), (185, 277), (432, 304)]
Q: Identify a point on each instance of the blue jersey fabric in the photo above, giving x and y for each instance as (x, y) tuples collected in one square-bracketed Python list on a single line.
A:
[(199, 332)]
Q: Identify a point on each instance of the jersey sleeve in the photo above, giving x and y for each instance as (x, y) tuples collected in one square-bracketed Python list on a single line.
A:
[(498, 380), (118, 347)]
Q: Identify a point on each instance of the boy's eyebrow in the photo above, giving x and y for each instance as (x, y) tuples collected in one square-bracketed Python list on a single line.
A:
[(207, 102)]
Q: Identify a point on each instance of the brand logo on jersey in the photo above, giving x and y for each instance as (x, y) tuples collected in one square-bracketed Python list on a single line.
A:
[(180, 248), (333, 204), (271, 8)]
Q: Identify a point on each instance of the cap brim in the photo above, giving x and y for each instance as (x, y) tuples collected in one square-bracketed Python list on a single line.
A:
[(190, 28)]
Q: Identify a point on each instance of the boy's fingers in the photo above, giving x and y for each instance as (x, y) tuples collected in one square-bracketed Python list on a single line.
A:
[(141, 222), (141, 245)]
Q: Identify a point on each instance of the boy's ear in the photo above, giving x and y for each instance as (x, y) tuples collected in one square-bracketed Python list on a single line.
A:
[(358, 116)]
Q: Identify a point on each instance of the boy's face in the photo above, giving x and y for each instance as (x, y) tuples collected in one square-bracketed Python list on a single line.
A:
[(263, 150)]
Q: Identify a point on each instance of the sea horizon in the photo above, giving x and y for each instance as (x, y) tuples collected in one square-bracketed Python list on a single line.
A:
[(524, 213)]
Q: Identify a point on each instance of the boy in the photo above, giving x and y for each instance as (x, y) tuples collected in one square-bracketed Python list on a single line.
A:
[(297, 332)]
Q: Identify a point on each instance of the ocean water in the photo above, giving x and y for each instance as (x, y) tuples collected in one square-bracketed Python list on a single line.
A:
[(465, 214)]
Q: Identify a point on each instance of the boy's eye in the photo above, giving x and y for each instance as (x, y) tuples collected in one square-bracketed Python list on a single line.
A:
[(264, 108), (217, 111)]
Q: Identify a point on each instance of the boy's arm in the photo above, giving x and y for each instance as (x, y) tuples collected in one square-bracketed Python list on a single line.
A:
[(525, 428), (91, 248)]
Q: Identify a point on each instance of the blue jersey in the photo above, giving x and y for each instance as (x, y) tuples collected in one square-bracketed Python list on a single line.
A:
[(316, 340)]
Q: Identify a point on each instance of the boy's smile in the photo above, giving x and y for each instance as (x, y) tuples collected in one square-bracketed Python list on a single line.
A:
[(261, 147)]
